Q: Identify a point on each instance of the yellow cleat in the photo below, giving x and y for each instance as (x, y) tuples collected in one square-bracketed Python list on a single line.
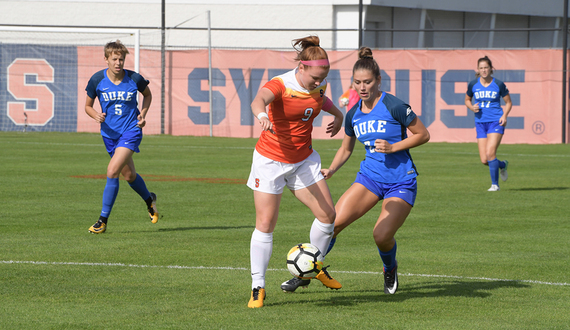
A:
[(98, 228), (327, 280), (257, 298), (152, 212)]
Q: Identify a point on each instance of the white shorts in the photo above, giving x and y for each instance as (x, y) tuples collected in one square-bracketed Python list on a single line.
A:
[(271, 176)]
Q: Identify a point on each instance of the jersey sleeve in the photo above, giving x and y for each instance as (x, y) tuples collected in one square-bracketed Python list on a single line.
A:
[(503, 90), (470, 88), (399, 110), (276, 86), (348, 129), (403, 114), (91, 88), (139, 80)]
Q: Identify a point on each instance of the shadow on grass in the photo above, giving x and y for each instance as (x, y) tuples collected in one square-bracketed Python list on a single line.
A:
[(541, 189), (468, 289), (206, 228)]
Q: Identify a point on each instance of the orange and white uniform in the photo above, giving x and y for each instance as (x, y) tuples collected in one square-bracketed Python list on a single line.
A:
[(292, 113)]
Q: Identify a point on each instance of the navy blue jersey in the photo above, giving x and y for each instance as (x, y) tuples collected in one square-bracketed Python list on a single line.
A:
[(489, 99), (119, 102), (387, 121)]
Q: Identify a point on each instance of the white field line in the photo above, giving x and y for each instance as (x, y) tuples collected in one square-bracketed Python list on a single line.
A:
[(251, 148), (100, 264)]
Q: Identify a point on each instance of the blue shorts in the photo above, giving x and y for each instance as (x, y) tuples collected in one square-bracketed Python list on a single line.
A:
[(129, 139), (489, 127), (406, 190)]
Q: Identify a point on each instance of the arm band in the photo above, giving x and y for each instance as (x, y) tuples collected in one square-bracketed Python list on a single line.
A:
[(262, 115), (327, 105)]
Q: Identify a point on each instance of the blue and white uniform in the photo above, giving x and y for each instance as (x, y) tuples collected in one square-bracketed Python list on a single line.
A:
[(385, 175), (387, 121), (119, 102), (489, 99), (488, 116)]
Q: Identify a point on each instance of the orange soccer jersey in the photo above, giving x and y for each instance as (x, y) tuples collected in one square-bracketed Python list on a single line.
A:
[(292, 114)]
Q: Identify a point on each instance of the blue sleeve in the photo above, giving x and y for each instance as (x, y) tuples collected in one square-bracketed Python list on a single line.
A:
[(91, 88), (399, 110), (348, 130), (503, 90), (139, 80), (470, 88)]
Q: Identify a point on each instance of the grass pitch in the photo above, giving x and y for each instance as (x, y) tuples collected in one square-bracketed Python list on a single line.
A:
[(468, 258)]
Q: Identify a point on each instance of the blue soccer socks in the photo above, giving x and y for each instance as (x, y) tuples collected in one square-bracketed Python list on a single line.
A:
[(494, 170), (140, 187), (389, 258), (331, 245), (109, 195)]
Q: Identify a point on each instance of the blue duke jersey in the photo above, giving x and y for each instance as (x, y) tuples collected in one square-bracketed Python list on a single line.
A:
[(119, 102), (489, 99), (387, 121)]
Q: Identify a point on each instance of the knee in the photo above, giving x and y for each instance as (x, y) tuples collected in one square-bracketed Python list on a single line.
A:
[(130, 177), (330, 217), (383, 240), (484, 162), (113, 174)]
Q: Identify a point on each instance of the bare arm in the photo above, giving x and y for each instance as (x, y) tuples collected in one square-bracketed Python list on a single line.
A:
[(263, 98), (506, 111), (334, 127), (91, 112), (473, 107), (419, 137), (147, 99), (342, 155)]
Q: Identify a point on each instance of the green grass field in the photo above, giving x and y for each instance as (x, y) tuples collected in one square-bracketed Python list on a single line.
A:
[(468, 258)]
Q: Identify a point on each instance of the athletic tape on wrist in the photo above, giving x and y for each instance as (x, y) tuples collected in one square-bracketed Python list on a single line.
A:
[(262, 115)]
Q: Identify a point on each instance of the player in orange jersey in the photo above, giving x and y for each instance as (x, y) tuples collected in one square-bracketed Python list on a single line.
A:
[(284, 157)]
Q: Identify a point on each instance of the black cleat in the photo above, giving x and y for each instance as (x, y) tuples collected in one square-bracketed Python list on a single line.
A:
[(391, 281), (294, 283)]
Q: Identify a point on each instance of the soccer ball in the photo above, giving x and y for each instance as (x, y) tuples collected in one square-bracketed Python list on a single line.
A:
[(304, 261)]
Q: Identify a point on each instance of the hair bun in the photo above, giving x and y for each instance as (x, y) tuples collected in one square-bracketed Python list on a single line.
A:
[(365, 52)]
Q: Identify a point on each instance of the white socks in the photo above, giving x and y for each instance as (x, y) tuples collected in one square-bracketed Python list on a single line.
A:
[(260, 251), (261, 248), (321, 235)]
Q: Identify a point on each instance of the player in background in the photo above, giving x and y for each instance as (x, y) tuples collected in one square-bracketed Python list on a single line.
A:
[(284, 157), (349, 98), (387, 173), (121, 127), (484, 99)]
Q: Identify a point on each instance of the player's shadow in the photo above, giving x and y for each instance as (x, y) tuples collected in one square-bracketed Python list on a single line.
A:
[(454, 288), (206, 228), (541, 189)]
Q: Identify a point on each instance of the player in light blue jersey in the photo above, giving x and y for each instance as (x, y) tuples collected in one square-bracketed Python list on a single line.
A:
[(379, 121), (484, 99), (121, 127)]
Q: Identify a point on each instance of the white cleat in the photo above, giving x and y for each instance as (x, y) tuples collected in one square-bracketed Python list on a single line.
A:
[(494, 187)]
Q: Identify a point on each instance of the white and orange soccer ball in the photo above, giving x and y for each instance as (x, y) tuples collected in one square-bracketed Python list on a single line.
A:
[(304, 261)]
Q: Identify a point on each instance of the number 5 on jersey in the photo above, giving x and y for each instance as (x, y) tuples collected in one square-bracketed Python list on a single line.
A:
[(118, 109)]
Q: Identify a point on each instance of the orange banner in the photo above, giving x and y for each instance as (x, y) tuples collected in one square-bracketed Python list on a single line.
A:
[(433, 82)]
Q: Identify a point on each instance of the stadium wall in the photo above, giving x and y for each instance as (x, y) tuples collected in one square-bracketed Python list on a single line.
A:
[(42, 88)]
